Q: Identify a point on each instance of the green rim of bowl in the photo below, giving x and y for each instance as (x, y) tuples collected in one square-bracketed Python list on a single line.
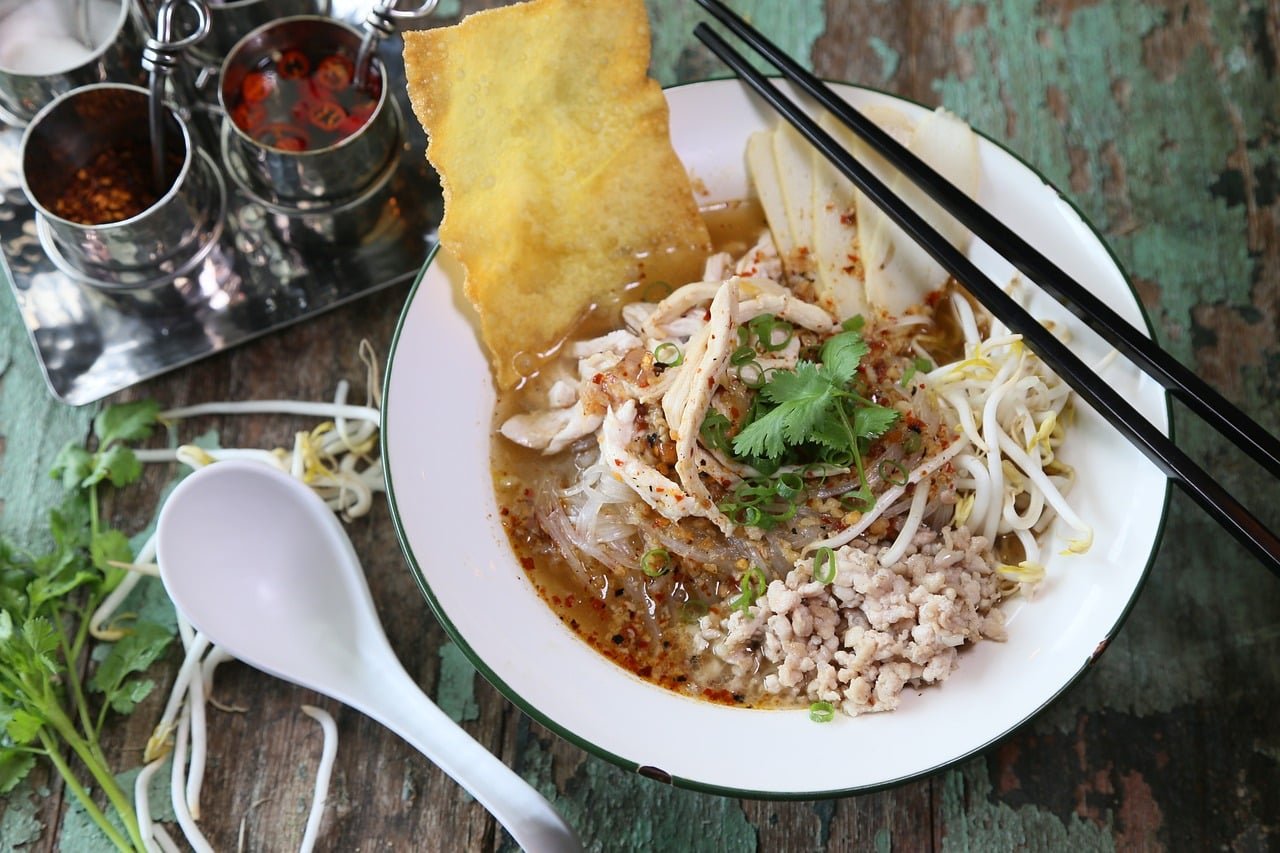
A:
[(693, 784)]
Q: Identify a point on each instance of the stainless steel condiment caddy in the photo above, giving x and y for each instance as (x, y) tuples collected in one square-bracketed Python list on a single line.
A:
[(265, 265)]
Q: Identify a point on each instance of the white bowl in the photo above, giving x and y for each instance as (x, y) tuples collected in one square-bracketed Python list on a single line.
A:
[(437, 406)]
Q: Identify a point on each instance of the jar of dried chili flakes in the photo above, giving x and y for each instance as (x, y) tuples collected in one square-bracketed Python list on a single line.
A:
[(87, 170)]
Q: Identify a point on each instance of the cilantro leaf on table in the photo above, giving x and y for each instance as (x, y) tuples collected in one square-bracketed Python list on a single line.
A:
[(47, 599), (72, 465), (135, 652), (117, 464), (125, 422), (14, 766)]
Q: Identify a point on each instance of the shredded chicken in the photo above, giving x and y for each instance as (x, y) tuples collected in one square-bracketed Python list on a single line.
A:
[(659, 492), (704, 377)]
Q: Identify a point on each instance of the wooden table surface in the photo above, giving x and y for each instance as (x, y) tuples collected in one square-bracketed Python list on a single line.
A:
[(1159, 120)]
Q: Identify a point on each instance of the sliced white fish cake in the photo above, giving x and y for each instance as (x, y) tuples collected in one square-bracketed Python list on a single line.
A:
[(898, 273), (838, 285), (794, 160), (762, 167)]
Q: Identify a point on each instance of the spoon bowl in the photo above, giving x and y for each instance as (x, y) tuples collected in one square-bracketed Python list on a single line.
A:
[(258, 563)]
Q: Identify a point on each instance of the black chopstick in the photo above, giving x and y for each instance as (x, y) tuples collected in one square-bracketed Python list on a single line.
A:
[(1202, 488), (1176, 378)]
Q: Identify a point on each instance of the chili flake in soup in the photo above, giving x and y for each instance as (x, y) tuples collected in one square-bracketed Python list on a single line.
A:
[(737, 496)]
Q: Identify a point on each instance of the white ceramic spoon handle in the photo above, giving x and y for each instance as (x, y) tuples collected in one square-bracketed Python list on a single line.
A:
[(400, 705)]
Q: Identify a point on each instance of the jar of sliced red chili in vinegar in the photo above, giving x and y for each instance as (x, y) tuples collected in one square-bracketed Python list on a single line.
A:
[(294, 115)]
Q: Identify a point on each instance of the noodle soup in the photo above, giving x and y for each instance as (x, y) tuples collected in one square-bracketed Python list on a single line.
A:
[(737, 496)]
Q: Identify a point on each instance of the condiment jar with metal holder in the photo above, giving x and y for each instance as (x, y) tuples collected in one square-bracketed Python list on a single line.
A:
[(309, 123), (380, 25), (125, 195), (35, 70), (161, 59), (87, 170)]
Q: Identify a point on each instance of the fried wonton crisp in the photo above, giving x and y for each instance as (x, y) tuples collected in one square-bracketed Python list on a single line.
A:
[(560, 182)]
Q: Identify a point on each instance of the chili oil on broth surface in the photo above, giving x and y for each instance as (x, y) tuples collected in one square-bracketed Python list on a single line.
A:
[(647, 624), (603, 613)]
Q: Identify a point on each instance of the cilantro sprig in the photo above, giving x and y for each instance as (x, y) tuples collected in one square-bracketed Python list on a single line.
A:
[(48, 707), (814, 404), (815, 413)]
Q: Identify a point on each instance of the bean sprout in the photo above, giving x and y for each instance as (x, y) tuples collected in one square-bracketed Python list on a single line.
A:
[(185, 820), (142, 803), (273, 407), (926, 469), (199, 731), (909, 526), (109, 604), (328, 751), (162, 837), (327, 458), (1009, 406)]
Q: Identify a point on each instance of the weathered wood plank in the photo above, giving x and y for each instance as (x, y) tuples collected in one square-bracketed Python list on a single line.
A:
[(1158, 120)]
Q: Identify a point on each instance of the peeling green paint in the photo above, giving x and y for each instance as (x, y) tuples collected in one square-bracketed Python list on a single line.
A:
[(974, 823), (18, 823), (658, 818), (889, 58), (883, 841), (1107, 96), (1167, 163), (32, 426), (79, 834), (825, 810), (679, 57), (456, 688)]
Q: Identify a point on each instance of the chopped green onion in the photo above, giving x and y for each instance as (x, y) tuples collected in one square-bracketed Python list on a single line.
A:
[(693, 610), (919, 365), (837, 458), (763, 502), (744, 336), (763, 464), (888, 467), (788, 486), (854, 323), (715, 431), (824, 565), (752, 585), (786, 514), (912, 443), (765, 325), (668, 355), (742, 355), (860, 499), (751, 374), (656, 291), (656, 562), (822, 712)]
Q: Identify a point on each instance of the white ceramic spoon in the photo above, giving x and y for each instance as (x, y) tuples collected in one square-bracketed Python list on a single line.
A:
[(258, 563)]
